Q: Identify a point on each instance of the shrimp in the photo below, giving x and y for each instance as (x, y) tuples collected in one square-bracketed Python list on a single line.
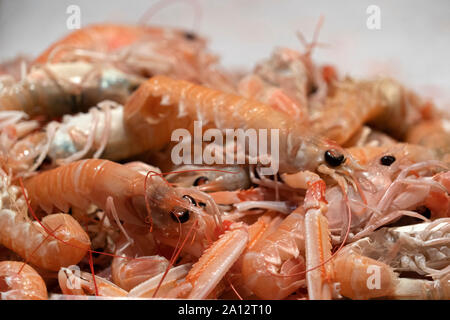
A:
[(422, 248), (99, 132), (91, 181), (31, 240), (317, 243), (141, 51), (162, 105), (122, 191), (276, 266), (396, 182), (351, 269), (382, 103), (175, 212), (353, 262), (20, 144), (62, 88), (271, 267), (19, 281), (350, 272)]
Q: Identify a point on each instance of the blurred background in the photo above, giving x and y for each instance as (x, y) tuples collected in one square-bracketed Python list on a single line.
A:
[(412, 43)]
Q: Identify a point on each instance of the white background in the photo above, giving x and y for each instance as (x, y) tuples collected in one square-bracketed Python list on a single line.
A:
[(413, 44)]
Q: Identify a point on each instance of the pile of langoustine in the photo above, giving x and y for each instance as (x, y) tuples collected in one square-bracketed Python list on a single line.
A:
[(91, 204)]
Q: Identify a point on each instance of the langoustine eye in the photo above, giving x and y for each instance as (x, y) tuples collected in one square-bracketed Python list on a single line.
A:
[(334, 158), (387, 160), (180, 214)]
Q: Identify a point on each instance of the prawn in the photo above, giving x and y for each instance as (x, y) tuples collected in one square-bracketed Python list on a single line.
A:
[(277, 264), (30, 240), (421, 248), (141, 51), (396, 182), (57, 89), (87, 182), (99, 132), (129, 199), (162, 105), (382, 103), (19, 281), (271, 265), (352, 264)]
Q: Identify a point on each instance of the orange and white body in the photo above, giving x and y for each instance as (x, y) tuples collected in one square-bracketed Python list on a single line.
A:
[(140, 50), (351, 104), (127, 195), (100, 132), (365, 269), (87, 182), (361, 273), (272, 266), (19, 281), (396, 182), (419, 248), (54, 90), (162, 105), (317, 243), (57, 241)]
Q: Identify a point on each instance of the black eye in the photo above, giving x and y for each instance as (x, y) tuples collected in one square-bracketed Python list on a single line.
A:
[(190, 36), (200, 180), (180, 215), (190, 199), (333, 158), (387, 160)]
